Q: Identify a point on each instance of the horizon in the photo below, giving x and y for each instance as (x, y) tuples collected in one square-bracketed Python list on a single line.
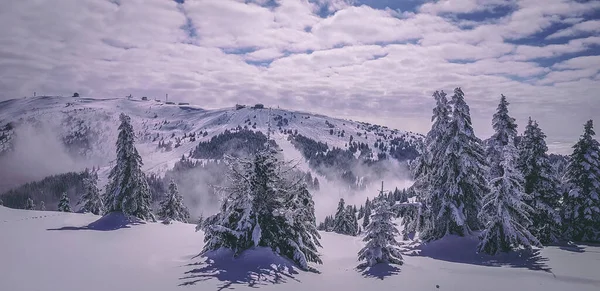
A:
[(376, 61)]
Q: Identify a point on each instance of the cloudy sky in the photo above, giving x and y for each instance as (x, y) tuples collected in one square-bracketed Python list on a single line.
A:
[(369, 60)]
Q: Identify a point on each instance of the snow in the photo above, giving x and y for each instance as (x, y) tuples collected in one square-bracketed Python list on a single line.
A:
[(148, 117), (56, 251)]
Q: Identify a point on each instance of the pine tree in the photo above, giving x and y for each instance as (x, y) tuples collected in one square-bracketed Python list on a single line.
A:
[(265, 208), (367, 216), (316, 184), (505, 212), (42, 206), (29, 205), (541, 184), (91, 199), (581, 206), (344, 222), (381, 244), (63, 204), (1, 202), (457, 177), (172, 207), (128, 191), (505, 130)]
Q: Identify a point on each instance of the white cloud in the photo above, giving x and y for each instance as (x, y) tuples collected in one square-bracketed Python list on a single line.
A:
[(591, 26), (585, 62), (462, 6)]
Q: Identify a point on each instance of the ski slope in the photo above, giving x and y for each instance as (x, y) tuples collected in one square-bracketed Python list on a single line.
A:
[(54, 251)]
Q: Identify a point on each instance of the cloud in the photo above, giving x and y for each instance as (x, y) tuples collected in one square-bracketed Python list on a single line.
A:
[(590, 26), (335, 57)]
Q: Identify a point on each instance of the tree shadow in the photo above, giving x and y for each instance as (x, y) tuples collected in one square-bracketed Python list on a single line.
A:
[(576, 247), (379, 271), (108, 222), (463, 250), (253, 268)]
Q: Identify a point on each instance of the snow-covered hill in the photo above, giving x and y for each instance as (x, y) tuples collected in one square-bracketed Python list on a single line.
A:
[(36, 128), (42, 251)]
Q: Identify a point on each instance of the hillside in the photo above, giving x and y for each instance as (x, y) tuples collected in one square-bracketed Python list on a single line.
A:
[(153, 256), (52, 135)]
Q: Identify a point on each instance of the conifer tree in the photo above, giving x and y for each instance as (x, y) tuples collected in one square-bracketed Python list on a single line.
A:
[(91, 199), (128, 190), (345, 219), (505, 212), (265, 208), (541, 184), (456, 178), (381, 244), (505, 130), (42, 206), (367, 215), (172, 208), (1, 202), (581, 206), (63, 204), (29, 205)]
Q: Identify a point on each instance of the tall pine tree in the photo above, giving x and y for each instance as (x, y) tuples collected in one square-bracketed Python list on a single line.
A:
[(172, 208), (456, 178), (91, 199), (541, 184), (505, 130), (264, 207), (504, 211), (581, 206), (128, 190)]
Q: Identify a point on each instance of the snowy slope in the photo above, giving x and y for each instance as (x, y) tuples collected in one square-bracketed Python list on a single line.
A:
[(97, 119), (52, 251)]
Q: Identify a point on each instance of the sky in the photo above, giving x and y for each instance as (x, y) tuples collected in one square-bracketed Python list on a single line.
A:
[(377, 61)]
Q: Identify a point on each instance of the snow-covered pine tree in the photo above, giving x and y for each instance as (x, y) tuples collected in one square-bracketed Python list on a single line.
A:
[(1, 202), (541, 184), (29, 204), (457, 177), (381, 244), (361, 212), (581, 206), (127, 190), (505, 213), (172, 207), (344, 222), (316, 184), (63, 204), (367, 215), (263, 207), (42, 206), (351, 213), (505, 129), (91, 199)]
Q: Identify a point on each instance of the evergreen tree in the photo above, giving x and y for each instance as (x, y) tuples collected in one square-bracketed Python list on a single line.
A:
[(42, 206), (581, 206), (91, 199), (316, 184), (29, 205), (1, 202), (505, 130), (63, 204), (505, 213), (367, 216), (345, 220), (265, 208), (457, 178), (172, 207), (541, 184), (128, 191), (381, 244)]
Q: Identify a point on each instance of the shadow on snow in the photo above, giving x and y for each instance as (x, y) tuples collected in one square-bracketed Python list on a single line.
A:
[(253, 268), (463, 250), (108, 222), (379, 271)]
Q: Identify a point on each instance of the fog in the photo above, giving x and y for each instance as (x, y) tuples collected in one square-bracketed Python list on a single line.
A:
[(38, 153)]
